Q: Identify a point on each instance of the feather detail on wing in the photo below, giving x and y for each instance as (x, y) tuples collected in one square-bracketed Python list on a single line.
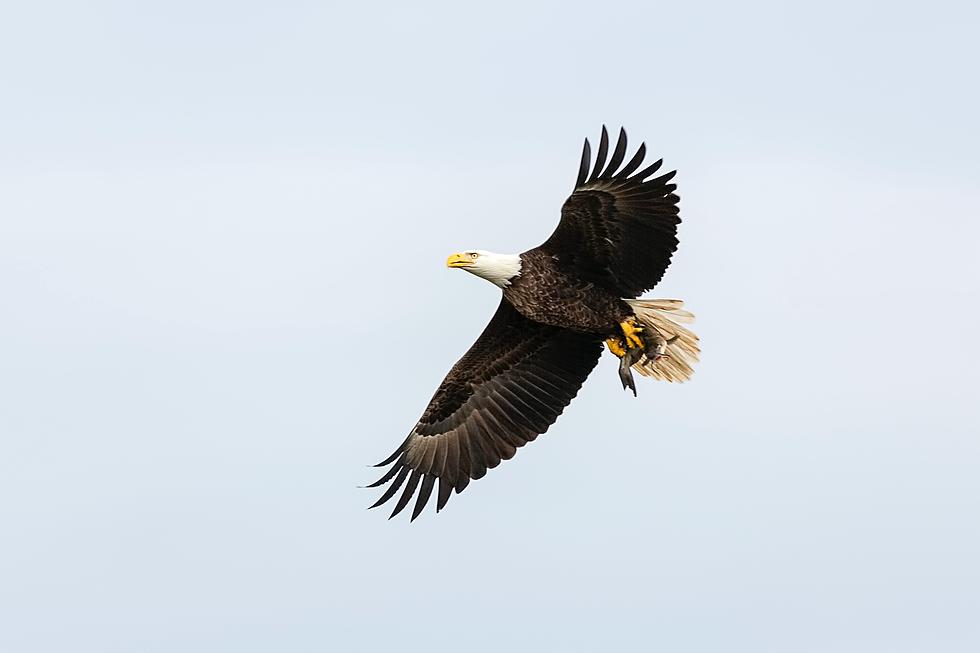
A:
[(619, 227), (511, 385)]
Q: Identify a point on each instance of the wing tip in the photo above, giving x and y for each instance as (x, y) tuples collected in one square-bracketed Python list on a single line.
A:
[(590, 171), (425, 491), (600, 157), (583, 168), (619, 152)]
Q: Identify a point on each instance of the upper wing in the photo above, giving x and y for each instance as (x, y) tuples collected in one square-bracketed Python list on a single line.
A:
[(509, 387), (616, 229)]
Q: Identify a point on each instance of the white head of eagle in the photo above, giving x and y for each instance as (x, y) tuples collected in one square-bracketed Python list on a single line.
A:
[(498, 269)]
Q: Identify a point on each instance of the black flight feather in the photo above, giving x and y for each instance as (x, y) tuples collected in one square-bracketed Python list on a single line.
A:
[(583, 171), (618, 154), (634, 162), (413, 482), (424, 492), (600, 157)]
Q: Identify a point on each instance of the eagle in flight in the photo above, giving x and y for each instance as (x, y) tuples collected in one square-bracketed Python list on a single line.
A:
[(560, 302)]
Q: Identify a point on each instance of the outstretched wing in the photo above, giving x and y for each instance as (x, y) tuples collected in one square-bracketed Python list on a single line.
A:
[(617, 229), (507, 389)]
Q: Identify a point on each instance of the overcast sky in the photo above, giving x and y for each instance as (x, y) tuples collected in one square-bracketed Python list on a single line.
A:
[(223, 229)]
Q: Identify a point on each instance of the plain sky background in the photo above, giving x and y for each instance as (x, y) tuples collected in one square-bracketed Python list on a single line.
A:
[(223, 228)]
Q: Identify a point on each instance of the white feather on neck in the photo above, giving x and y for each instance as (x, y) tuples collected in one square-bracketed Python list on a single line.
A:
[(498, 269)]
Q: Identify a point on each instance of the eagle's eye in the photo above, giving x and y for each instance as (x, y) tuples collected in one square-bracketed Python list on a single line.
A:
[(474, 255)]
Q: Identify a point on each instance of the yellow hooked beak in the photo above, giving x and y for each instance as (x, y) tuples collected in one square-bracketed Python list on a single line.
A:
[(459, 261)]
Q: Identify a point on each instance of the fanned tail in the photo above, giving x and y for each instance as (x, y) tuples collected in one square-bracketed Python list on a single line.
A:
[(679, 348)]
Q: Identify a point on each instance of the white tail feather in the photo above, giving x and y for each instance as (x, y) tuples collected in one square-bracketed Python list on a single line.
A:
[(680, 349)]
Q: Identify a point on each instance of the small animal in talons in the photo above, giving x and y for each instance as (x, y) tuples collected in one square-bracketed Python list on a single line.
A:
[(655, 350)]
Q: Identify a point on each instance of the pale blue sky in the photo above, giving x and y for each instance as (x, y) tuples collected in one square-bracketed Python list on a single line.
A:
[(223, 228)]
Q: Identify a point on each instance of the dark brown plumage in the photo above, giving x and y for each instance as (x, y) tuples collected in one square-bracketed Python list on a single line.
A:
[(615, 239)]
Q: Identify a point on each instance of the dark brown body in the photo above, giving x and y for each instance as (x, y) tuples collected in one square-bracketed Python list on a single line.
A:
[(546, 293)]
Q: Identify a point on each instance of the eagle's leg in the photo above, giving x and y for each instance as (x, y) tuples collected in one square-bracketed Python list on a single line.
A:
[(632, 330), (652, 343), (616, 346)]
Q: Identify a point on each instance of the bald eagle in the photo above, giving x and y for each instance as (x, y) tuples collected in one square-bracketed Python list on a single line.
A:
[(560, 302)]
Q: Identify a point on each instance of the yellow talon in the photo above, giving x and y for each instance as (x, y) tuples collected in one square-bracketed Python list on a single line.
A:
[(632, 331), (616, 346)]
